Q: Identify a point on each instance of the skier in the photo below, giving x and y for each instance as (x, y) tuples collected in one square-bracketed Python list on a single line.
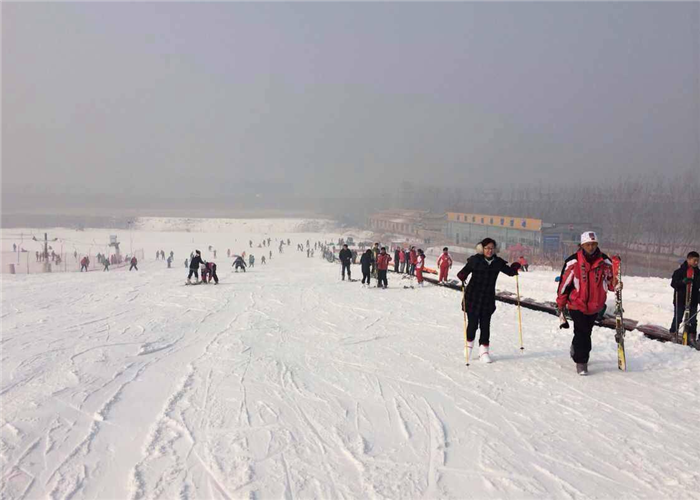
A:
[(211, 272), (250, 243), (375, 254), (251, 260), (239, 263), (397, 259), (585, 279), (157, 254), (194, 266), (270, 254), (688, 275), (420, 262), (523, 263), (366, 263), (413, 258), (105, 262), (186, 262), (444, 263), (84, 263), (402, 260), (262, 260), (133, 263), (345, 260), (479, 300), (383, 260), (170, 261)]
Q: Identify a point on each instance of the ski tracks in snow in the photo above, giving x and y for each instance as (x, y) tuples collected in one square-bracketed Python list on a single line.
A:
[(291, 384)]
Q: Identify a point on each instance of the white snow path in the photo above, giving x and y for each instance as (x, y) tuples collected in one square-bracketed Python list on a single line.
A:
[(286, 383)]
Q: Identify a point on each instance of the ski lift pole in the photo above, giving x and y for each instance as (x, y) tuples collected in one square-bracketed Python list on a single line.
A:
[(520, 316)]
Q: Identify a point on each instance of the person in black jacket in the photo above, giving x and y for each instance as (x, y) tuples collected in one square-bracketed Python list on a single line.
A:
[(345, 256), (194, 266), (396, 259), (366, 262), (480, 295), (686, 275)]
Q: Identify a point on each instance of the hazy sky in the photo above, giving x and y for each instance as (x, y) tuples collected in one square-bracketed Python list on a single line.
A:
[(164, 98)]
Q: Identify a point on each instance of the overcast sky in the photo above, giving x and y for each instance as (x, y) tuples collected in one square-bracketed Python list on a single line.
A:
[(161, 98)]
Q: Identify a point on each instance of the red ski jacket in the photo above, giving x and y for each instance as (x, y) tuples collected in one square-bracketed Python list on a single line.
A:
[(584, 285), (402, 257), (383, 261), (413, 255), (444, 261)]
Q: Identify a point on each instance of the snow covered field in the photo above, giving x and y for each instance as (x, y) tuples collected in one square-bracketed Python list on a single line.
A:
[(285, 382)]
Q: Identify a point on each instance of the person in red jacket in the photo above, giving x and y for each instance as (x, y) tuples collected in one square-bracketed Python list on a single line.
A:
[(420, 261), (383, 260), (413, 258), (585, 279), (402, 260), (133, 263), (444, 264), (523, 263)]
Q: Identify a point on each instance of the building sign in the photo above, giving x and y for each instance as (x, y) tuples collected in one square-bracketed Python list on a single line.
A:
[(497, 220)]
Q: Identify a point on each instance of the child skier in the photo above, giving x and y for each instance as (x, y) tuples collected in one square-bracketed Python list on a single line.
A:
[(444, 263)]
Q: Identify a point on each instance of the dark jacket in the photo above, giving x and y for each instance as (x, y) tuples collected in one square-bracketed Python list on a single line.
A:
[(481, 289), (345, 255), (680, 287), (195, 262), (366, 262)]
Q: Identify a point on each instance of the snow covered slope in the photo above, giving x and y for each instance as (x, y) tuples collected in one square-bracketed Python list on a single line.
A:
[(285, 382)]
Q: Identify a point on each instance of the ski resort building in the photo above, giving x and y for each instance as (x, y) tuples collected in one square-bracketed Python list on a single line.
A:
[(421, 224), (533, 234)]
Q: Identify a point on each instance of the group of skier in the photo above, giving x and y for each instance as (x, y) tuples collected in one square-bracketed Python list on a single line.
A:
[(584, 281)]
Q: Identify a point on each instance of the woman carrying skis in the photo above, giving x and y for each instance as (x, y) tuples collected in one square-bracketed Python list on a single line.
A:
[(480, 295)]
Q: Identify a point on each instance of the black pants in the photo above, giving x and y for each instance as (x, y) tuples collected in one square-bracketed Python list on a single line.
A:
[(346, 265), (678, 319), (481, 321), (365, 276), (581, 343), (193, 272), (381, 278), (213, 275), (133, 266), (83, 266), (106, 268)]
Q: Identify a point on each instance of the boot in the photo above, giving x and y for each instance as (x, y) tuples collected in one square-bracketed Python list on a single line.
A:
[(484, 356), (582, 369)]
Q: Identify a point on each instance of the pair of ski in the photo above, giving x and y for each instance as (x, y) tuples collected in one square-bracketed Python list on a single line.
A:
[(686, 313), (619, 320)]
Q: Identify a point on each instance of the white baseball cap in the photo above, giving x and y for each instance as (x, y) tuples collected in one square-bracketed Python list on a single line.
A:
[(589, 237)]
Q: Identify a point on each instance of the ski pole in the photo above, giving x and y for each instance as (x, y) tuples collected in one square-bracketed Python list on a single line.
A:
[(464, 310), (520, 317)]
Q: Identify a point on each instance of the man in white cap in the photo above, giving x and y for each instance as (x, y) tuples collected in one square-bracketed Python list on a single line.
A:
[(585, 279)]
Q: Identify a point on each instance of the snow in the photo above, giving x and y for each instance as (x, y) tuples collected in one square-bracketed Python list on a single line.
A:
[(285, 382)]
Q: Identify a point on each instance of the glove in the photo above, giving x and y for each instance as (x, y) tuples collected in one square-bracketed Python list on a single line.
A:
[(687, 280), (515, 266), (563, 322)]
